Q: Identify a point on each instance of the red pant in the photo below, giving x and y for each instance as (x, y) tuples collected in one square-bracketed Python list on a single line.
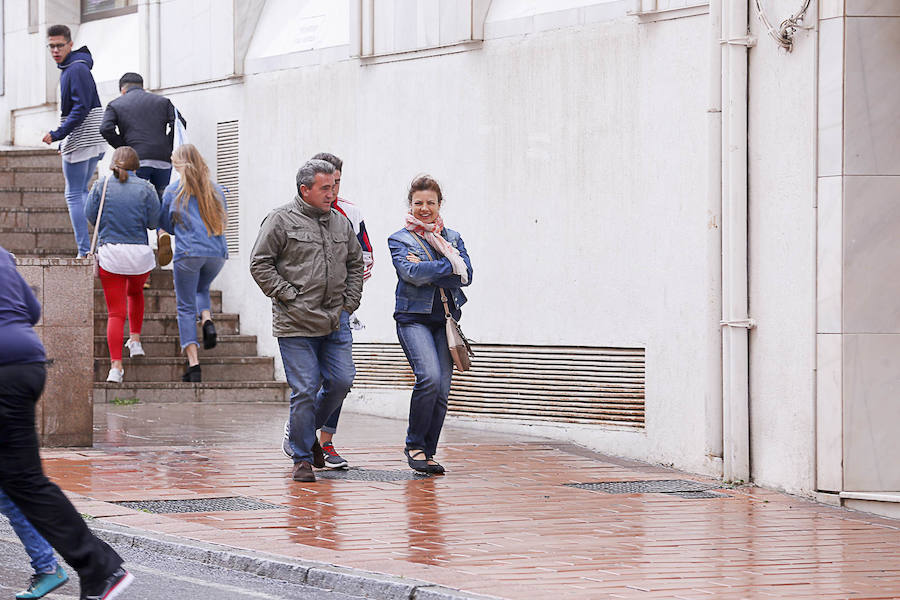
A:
[(122, 292)]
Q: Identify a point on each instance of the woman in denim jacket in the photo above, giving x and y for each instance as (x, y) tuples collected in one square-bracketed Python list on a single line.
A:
[(428, 257), (123, 251), (194, 210)]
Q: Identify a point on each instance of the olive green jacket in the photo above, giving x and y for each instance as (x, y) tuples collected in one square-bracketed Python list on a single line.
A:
[(311, 265)]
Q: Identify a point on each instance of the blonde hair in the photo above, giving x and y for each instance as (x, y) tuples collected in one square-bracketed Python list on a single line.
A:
[(195, 182)]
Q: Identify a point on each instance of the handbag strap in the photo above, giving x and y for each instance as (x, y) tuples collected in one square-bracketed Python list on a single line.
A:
[(443, 294), (99, 213)]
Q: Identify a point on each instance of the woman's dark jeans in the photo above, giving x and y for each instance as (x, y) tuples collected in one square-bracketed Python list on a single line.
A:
[(426, 350), (23, 479)]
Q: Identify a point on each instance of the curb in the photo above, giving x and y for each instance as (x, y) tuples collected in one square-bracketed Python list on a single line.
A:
[(354, 582)]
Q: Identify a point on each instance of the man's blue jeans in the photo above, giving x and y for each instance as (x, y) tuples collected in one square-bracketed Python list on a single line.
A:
[(192, 276), (320, 372), (40, 552), (78, 176), (159, 178), (426, 350)]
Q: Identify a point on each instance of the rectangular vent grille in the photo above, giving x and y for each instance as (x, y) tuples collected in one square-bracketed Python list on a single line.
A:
[(544, 383), (228, 176)]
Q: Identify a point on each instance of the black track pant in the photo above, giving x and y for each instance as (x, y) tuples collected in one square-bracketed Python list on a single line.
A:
[(23, 479)]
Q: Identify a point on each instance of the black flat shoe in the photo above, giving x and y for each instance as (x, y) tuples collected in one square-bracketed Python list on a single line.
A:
[(436, 468), (416, 465), (192, 375), (209, 335)]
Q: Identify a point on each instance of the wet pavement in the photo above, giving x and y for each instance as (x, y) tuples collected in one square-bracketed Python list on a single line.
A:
[(503, 521)]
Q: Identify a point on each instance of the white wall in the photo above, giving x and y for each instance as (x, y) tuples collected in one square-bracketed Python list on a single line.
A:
[(782, 172), (572, 148)]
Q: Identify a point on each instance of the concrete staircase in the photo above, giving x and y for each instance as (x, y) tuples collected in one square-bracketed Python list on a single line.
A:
[(34, 222)]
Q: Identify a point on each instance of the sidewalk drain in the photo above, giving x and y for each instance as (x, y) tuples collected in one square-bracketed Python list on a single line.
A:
[(357, 474), (227, 504), (677, 487)]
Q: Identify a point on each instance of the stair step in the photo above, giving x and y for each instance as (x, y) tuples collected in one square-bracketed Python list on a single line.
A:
[(215, 368), (169, 391), (31, 157), (166, 324), (170, 346), (155, 300), (32, 177), (160, 279), (54, 217), (36, 237), (45, 252), (32, 197)]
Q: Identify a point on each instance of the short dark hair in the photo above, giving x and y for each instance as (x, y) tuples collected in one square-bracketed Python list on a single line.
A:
[(336, 162), (62, 30), (306, 175), (423, 183), (130, 80)]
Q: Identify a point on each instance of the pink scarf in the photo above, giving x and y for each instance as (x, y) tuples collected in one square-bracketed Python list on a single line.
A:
[(431, 233)]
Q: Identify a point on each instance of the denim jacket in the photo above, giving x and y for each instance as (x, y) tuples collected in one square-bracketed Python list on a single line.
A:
[(191, 237), (417, 281), (130, 209)]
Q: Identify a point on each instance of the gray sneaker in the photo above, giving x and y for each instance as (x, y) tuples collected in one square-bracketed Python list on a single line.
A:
[(333, 460), (286, 441)]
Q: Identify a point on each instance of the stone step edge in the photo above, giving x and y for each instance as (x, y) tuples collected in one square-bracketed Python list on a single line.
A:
[(159, 316), (343, 580), (48, 169), (36, 230), (177, 385), (30, 189), (28, 151), (169, 292), (35, 209), (222, 337), (155, 361)]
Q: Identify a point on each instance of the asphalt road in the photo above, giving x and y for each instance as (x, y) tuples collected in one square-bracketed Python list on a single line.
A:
[(158, 577)]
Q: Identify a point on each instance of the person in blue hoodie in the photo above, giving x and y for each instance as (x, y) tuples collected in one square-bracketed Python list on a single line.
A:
[(82, 146), (23, 373)]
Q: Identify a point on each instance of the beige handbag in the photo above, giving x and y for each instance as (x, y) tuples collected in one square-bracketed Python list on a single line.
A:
[(93, 252), (459, 346)]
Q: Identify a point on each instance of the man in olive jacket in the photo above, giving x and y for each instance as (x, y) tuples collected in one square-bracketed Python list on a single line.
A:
[(308, 260)]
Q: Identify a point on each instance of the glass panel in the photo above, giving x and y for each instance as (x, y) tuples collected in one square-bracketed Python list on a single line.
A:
[(98, 7)]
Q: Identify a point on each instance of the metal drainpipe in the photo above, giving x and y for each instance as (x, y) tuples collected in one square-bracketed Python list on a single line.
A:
[(736, 322), (713, 443)]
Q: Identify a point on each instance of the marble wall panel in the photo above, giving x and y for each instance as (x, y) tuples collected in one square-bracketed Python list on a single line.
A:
[(872, 8), (829, 408), (872, 79), (871, 378), (829, 259), (871, 286), (831, 97)]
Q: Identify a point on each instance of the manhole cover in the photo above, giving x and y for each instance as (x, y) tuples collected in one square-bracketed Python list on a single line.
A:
[(357, 474), (232, 503), (659, 486)]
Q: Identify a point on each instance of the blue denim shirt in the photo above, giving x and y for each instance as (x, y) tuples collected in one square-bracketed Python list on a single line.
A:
[(417, 281), (191, 237), (130, 209)]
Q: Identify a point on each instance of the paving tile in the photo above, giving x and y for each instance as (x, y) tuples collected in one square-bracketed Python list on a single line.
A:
[(495, 524)]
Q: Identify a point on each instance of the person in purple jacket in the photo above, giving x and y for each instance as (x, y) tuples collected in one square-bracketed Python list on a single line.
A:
[(22, 377)]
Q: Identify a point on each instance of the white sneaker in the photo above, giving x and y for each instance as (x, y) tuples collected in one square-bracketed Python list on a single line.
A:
[(135, 348), (115, 375)]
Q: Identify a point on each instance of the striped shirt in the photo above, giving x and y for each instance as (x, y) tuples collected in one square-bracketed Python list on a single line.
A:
[(85, 134)]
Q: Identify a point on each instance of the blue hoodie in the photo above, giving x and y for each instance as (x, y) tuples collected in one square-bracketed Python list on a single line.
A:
[(78, 92), (19, 311)]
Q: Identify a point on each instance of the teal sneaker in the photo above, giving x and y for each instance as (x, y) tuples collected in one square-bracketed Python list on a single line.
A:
[(44, 583)]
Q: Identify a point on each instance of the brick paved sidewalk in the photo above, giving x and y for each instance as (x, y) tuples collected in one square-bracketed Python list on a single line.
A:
[(501, 522)]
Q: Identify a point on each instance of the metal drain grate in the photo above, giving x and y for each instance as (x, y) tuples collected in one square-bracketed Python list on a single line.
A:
[(357, 474), (681, 487), (232, 503)]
